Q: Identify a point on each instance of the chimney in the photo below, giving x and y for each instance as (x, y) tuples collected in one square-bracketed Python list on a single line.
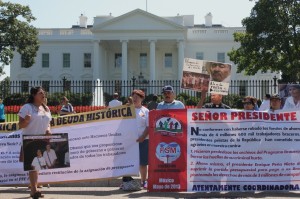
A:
[(208, 20), (82, 21)]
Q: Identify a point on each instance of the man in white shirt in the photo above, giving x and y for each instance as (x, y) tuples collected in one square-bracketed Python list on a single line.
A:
[(50, 157), (115, 102), (266, 103)]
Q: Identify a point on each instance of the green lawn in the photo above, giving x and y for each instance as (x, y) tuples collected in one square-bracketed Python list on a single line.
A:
[(13, 117)]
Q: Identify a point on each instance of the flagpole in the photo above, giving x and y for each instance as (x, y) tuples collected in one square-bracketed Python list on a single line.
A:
[(146, 6)]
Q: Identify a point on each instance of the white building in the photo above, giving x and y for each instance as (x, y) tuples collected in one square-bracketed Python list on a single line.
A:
[(118, 48)]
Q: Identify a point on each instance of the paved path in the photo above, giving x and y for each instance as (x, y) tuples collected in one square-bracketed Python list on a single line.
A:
[(114, 192)]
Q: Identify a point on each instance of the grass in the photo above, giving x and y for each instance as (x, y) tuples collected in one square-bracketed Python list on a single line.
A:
[(13, 117)]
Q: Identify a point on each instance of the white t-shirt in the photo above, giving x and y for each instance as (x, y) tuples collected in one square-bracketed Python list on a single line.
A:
[(67, 158), (114, 103), (290, 104), (142, 119), (50, 157), (265, 105), (38, 163), (39, 121)]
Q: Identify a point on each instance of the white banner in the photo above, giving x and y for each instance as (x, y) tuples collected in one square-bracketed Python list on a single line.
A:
[(98, 149), (230, 150)]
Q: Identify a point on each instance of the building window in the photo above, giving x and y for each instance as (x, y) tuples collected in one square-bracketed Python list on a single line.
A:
[(87, 86), (143, 60), (45, 60), (66, 60), (24, 62), (46, 85), (118, 60), (221, 57), (168, 60), (199, 55), (24, 86), (87, 60)]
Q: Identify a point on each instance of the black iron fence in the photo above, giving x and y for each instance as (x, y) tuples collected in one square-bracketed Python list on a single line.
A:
[(99, 93)]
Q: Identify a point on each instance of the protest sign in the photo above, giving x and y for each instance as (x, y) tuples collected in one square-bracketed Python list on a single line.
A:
[(102, 144), (207, 76), (225, 150)]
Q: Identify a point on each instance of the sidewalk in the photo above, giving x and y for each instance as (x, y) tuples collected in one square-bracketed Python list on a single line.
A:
[(114, 192)]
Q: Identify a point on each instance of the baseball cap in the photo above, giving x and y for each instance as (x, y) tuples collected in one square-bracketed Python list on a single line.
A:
[(275, 96), (167, 88)]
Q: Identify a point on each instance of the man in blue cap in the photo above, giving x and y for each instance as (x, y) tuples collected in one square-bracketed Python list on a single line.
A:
[(169, 100)]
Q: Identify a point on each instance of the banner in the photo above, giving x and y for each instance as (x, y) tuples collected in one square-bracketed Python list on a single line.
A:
[(102, 144), (224, 150)]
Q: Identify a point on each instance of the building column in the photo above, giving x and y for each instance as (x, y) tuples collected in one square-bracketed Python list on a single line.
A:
[(180, 58), (124, 60), (152, 60), (98, 99), (96, 60)]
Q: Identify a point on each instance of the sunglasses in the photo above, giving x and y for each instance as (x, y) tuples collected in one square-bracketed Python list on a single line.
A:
[(247, 103)]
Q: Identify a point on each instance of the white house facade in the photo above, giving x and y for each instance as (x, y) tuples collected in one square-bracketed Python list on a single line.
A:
[(118, 48)]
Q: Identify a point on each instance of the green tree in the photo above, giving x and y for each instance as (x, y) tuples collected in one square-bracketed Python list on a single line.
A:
[(16, 34), (272, 39)]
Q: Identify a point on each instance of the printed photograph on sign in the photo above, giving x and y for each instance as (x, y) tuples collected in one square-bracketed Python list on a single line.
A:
[(194, 75), (220, 75), (290, 96), (43, 152)]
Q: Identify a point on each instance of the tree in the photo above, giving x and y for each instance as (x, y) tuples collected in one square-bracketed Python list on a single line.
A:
[(16, 34), (272, 39)]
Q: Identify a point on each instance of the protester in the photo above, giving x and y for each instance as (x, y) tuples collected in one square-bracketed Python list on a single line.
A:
[(129, 101), (39, 162), (216, 102), (50, 157), (2, 111), (249, 103), (142, 115), (153, 104), (169, 101), (293, 102), (34, 118), (66, 108), (266, 103), (115, 102), (219, 72), (275, 103)]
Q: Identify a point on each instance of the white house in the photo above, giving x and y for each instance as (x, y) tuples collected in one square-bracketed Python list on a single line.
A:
[(118, 48)]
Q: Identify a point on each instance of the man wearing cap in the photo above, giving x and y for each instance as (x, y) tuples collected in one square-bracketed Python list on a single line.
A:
[(275, 103), (293, 102), (169, 100), (115, 102), (266, 103)]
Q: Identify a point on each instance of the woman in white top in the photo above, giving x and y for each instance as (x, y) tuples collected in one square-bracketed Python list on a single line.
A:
[(34, 118), (293, 102), (142, 115), (39, 162)]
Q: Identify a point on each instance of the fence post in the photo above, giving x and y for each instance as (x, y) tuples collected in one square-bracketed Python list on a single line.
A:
[(275, 83), (133, 82)]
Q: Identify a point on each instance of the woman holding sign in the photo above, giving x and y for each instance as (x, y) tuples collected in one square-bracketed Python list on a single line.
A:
[(34, 118), (142, 114)]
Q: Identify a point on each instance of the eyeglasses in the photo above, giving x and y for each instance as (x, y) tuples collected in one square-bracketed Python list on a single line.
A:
[(247, 103)]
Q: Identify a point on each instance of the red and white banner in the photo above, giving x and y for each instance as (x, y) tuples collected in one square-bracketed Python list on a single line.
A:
[(224, 150)]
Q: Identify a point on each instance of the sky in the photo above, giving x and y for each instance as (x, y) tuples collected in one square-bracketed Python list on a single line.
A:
[(65, 13)]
